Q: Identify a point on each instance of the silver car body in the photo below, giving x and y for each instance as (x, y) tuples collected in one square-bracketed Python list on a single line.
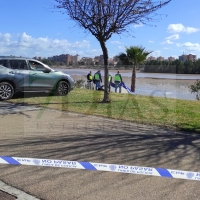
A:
[(30, 75)]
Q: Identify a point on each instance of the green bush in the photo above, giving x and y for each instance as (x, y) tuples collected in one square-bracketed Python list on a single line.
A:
[(195, 88), (80, 83)]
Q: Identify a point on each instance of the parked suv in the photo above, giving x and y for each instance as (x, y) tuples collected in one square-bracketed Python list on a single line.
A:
[(19, 74)]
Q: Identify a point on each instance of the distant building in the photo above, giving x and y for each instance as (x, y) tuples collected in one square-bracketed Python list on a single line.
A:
[(53, 58), (87, 60), (183, 58), (75, 59), (66, 58), (160, 58), (190, 57), (171, 58), (151, 58), (96, 58), (101, 60), (37, 58)]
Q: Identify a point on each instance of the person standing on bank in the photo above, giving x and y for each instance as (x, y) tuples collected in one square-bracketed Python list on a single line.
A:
[(109, 80), (97, 79), (118, 80), (89, 80)]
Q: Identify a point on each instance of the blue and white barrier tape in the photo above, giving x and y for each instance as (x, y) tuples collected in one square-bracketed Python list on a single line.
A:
[(167, 173), (124, 86)]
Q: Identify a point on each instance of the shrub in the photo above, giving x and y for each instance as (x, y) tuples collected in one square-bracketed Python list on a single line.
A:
[(195, 88), (80, 83)]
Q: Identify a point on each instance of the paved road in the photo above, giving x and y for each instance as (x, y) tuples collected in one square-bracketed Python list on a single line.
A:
[(67, 136), (7, 108)]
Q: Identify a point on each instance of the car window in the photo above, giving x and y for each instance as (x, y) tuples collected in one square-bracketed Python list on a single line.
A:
[(36, 66), (18, 64), (3, 62)]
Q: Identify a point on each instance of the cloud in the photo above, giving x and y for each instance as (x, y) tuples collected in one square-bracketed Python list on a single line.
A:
[(156, 53), (122, 47), (138, 25), (166, 48), (115, 42), (5, 37), (173, 37), (167, 42), (179, 28), (150, 41), (168, 39), (26, 45), (190, 46)]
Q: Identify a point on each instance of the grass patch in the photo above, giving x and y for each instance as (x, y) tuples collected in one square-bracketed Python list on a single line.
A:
[(181, 114)]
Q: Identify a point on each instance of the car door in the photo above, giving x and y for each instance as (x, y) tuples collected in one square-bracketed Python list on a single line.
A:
[(4, 70), (41, 79), (19, 70)]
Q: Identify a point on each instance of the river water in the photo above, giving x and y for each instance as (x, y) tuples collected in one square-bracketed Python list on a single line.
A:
[(154, 84)]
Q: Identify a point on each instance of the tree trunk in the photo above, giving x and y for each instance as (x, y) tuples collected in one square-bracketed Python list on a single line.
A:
[(105, 57), (133, 79)]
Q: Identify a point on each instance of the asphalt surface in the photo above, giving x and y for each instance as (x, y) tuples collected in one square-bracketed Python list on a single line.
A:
[(6, 196), (50, 134)]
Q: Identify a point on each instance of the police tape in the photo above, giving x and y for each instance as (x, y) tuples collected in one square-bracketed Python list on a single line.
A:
[(160, 172)]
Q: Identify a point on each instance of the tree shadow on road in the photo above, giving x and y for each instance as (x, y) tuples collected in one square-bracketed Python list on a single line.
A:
[(148, 146), (133, 145)]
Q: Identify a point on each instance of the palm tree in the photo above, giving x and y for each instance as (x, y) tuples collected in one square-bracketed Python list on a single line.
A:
[(135, 55)]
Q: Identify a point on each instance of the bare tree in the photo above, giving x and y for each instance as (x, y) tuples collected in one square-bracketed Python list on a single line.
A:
[(102, 18)]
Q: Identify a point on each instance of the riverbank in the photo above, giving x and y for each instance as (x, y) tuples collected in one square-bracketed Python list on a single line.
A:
[(150, 110), (156, 84), (178, 89)]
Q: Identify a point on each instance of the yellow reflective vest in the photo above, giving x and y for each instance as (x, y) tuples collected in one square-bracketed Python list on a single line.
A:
[(117, 77), (109, 78), (90, 77), (96, 77)]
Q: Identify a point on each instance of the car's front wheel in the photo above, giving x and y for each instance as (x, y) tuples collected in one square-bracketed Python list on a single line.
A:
[(6, 91), (62, 88)]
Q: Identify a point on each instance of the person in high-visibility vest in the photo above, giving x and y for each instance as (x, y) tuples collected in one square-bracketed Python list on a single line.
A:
[(118, 81), (97, 79), (89, 80), (109, 81)]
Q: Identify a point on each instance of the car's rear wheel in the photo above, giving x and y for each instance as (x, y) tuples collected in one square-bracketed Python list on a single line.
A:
[(6, 91), (62, 88)]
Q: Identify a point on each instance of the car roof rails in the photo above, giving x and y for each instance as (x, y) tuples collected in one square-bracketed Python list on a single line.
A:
[(17, 57)]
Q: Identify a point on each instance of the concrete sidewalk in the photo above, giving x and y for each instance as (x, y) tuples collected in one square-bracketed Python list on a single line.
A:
[(67, 136)]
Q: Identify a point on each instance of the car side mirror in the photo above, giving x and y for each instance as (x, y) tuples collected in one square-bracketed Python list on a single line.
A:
[(46, 70)]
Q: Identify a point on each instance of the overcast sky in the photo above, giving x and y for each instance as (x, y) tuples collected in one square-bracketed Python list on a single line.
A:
[(34, 28)]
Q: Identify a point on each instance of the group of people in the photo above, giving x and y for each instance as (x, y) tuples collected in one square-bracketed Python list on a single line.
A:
[(97, 80)]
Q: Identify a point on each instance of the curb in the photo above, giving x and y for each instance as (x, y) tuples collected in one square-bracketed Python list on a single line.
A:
[(11, 193)]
